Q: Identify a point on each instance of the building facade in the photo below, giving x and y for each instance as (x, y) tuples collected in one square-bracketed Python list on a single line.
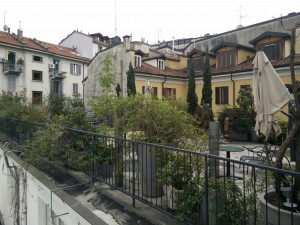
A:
[(36, 69)]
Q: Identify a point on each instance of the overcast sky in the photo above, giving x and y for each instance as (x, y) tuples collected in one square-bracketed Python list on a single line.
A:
[(52, 21)]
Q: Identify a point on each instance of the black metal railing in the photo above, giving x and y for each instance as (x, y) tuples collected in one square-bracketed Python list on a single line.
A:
[(192, 186)]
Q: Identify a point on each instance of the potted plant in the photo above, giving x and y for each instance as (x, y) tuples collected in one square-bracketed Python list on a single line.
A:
[(20, 64), (178, 174), (105, 157)]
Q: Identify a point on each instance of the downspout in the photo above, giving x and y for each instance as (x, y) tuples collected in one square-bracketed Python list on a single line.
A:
[(162, 86), (233, 90), (83, 83)]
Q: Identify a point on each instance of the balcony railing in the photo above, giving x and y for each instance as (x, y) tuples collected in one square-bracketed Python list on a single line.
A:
[(194, 187), (11, 68), (57, 75)]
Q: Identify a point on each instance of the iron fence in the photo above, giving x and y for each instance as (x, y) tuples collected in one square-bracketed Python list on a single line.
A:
[(195, 187)]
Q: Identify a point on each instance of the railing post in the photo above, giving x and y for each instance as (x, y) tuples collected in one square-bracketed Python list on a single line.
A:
[(133, 175), (214, 139)]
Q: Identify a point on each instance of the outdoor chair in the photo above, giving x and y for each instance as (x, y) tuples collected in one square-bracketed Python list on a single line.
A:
[(255, 155), (259, 155)]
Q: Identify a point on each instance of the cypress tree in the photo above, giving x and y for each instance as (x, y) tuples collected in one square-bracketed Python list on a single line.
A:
[(131, 89), (192, 98), (206, 90)]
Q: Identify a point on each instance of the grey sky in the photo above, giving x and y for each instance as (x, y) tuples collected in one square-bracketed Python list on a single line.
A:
[(51, 21)]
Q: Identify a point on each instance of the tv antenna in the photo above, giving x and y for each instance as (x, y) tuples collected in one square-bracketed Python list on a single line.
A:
[(241, 16), (5, 27), (115, 17)]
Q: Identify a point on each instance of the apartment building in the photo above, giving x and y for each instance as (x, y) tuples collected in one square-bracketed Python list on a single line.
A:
[(36, 68)]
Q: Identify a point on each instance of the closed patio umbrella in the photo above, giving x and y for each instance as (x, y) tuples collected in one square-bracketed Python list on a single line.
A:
[(270, 95)]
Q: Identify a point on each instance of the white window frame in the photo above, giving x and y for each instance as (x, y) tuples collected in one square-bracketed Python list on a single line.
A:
[(75, 69), (161, 64), (137, 61)]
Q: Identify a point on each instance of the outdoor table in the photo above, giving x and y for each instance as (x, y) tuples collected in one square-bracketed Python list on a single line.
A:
[(228, 149)]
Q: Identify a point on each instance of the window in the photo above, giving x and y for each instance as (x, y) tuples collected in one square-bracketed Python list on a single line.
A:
[(221, 95), (11, 83), (137, 61), (198, 63), (161, 64), (75, 69), (169, 92), (75, 89), (272, 51), (56, 87), (37, 75), (36, 58), (226, 59), (153, 91), (37, 97), (99, 48)]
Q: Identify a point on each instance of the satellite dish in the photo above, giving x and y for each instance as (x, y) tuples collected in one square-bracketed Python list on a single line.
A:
[(5, 27)]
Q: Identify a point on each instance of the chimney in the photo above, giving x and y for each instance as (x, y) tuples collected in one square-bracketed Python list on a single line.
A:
[(20, 34), (8, 30)]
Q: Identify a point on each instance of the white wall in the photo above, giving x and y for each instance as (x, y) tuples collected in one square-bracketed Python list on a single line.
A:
[(35, 199), (83, 42)]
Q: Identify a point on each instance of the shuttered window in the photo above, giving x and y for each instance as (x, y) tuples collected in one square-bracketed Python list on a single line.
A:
[(75, 69), (221, 96), (169, 92), (273, 51), (226, 59)]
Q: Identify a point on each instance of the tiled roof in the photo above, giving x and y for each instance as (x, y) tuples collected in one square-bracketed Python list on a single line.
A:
[(148, 69), (247, 66), (34, 44)]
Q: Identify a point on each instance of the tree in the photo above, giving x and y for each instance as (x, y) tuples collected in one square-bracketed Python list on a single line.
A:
[(192, 98), (106, 77), (130, 81), (207, 91)]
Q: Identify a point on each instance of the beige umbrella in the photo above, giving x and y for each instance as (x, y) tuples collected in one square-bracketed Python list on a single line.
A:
[(270, 95)]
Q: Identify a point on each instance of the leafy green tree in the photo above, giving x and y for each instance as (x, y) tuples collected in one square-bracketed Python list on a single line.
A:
[(207, 91), (192, 98), (131, 89), (157, 121), (104, 105), (106, 77)]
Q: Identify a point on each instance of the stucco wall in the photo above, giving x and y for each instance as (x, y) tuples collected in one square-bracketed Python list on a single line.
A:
[(83, 42), (120, 59), (35, 198)]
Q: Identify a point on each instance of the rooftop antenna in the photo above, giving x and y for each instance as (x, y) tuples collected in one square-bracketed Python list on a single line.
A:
[(5, 27), (115, 17), (241, 17)]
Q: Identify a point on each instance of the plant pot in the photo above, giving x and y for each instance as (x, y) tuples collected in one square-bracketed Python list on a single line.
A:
[(216, 205), (173, 198), (239, 136), (253, 135), (269, 213), (151, 187), (105, 170)]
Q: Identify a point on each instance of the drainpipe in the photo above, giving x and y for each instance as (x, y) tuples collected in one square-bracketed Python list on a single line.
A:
[(162, 86), (83, 84), (233, 90)]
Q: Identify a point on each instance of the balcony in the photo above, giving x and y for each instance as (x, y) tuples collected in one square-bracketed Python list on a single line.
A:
[(57, 75), (11, 69), (145, 177)]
